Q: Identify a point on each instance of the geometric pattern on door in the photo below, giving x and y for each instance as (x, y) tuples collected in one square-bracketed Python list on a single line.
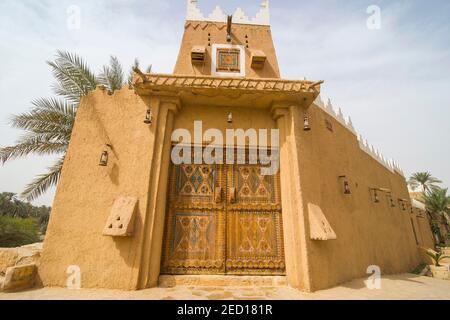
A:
[(195, 181), (206, 234), (195, 223), (254, 223), (252, 186)]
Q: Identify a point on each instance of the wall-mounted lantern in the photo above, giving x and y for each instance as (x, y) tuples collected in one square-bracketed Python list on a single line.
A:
[(104, 159), (375, 196), (392, 202), (105, 156), (230, 118), (306, 124), (148, 117), (346, 184)]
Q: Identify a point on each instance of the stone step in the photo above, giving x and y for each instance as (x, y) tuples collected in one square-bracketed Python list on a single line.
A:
[(19, 278), (170, 281)]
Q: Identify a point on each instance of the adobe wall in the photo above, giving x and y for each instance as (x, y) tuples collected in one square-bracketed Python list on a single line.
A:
[(198, 33), (87, 191), (311, 162), (426, 235), (216, 118), (368, 233)]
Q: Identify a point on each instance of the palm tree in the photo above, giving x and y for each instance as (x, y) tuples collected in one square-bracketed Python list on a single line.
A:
[(425, 180), (48, 125), (438, 202)]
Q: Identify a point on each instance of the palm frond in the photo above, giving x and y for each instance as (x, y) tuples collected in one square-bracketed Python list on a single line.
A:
[(131, 73), (437, 201), (73, 76), (43, 182), (48, 115), (112, 76), (48, 128), (31, 146), (424, 180)]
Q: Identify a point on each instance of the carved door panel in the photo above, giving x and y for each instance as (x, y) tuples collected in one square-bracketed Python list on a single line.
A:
[(223, 219), (254, 222), (195, 223)]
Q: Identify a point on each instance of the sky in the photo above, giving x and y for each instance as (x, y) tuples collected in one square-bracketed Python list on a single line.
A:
[(393, 80)]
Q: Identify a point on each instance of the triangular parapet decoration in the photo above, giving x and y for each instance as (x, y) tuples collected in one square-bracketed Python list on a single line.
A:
[(262, 17), (350, 126), (239, 16), (217, 15), (319, 102), (363, 143), (193, 12)]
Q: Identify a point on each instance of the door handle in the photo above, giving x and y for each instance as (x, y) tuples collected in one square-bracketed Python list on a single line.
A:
[(218, 195), (232, 195)]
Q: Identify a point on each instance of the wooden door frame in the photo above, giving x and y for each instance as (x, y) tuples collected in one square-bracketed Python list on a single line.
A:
[(226, 172), (295, 215)]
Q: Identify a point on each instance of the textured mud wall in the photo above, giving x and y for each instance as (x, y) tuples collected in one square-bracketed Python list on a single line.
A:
[(368, 233), (87, 191), (198, 33)]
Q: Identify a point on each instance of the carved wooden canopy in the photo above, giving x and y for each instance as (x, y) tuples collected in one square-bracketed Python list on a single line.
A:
[(231, 89)]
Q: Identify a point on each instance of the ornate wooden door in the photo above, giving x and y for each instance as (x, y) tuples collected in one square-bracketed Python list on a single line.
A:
[(254, 222), (223, 219), (195, 225)]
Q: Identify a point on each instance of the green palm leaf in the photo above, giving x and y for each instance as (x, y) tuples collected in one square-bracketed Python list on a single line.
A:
[(136, 65), (48, 125), (437, 201), (425, 180), (73, 76), (112, 76), (43, 182), (48, 128)]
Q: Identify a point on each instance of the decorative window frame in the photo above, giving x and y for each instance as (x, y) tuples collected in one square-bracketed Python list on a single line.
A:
[(216, 48)]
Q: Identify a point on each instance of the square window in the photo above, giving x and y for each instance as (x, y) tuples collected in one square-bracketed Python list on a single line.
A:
[(228, 60)]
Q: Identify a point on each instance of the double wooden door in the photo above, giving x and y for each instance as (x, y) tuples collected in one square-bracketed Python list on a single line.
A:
[(223, 219)]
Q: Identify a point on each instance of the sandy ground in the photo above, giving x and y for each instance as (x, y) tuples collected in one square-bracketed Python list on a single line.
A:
[(405, 286)]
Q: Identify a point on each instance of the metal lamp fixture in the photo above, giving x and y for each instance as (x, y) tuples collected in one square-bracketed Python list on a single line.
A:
[(306, 125), (148, 117), (104, 159), (346, 185), (375, 196), (392, 201), (105, 156), (230, 118)]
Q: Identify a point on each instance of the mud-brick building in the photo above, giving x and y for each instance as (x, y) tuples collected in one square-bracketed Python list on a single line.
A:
[(126, 215)]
